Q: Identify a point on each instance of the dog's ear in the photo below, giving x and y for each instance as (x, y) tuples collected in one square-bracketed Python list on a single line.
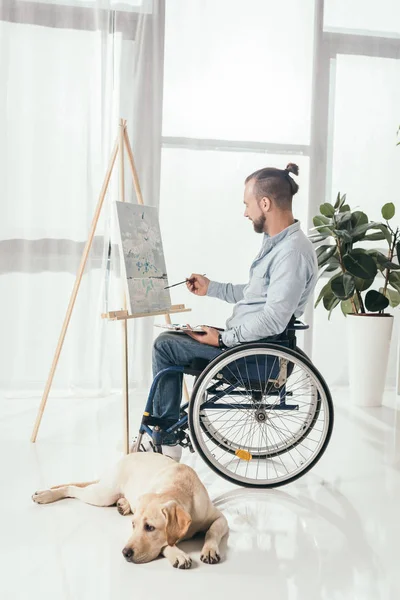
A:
[(177, 522)]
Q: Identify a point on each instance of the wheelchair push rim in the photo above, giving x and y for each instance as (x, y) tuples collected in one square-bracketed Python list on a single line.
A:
[(265, 441)]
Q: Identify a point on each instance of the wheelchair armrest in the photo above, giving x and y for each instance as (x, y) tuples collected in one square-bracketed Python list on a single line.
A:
[(298, 326)]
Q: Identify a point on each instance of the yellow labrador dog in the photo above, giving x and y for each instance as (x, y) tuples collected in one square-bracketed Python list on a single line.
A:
[(168, 502)]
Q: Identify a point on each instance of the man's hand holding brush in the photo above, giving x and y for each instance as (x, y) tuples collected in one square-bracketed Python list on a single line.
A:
[(197, 284)]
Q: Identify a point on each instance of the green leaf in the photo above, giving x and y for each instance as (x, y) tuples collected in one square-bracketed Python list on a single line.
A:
[(375, 301), (347, 306), (343, 286), (337, 203), (334, 265), (344, 208), (398, 251), (342, 219), (326, 291), (363, 284), (316, 234), (324, 253), (388, 211), (358, 218), (382, 261), (333, 305), (344, 235), (327, 209), (374, 237), (377, 256), (360, 264), (392, 296), (315, 238), (359, 231), (394, 280), (386, 232), (319, 220), (328, 300), (391, 266), (340, 200), (321, 224)]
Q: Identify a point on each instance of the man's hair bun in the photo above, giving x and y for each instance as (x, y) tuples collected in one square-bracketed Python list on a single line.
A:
[(292, 168)]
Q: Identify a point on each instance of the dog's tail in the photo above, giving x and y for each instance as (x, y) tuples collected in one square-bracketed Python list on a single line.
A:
[(81, 485)]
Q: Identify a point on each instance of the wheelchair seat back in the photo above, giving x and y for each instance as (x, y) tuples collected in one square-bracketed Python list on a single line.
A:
[(254, 371)]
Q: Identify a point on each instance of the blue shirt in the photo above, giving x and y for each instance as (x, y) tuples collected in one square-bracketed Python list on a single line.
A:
[(282, 277)]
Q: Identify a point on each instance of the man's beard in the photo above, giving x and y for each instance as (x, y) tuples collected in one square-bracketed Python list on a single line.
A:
[(259, 224)]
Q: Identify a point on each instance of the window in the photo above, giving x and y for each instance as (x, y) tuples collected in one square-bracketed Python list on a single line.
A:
[(239, 72)]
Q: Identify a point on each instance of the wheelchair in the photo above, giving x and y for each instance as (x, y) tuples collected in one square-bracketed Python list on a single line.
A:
[(260, 414)]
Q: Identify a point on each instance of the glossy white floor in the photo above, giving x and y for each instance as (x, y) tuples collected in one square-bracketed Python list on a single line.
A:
[(332, 535)]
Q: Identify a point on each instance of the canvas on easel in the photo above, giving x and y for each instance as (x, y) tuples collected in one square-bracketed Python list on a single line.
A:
[(142, 258)]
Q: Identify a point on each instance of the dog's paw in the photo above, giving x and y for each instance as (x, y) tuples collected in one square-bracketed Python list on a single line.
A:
[(43, 497), (209, 555), (123, 506), (182, 561), (178, 559)]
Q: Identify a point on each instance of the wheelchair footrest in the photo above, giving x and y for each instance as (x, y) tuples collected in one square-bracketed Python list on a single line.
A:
[(158, 422)]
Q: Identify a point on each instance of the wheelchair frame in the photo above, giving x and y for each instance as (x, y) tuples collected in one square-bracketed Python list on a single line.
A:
[(179, 427)]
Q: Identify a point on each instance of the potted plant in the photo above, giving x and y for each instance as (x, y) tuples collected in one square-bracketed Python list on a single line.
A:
[(338, 232)]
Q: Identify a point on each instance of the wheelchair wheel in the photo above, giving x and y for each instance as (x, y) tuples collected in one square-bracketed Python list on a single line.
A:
[(260, 415), (225, 439)]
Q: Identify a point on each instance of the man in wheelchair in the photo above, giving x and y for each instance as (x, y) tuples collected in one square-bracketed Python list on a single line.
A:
[(281, 279)]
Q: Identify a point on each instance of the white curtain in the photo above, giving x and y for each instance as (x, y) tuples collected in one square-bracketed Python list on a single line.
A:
[(264, 83), (69, 71), (246, 84)]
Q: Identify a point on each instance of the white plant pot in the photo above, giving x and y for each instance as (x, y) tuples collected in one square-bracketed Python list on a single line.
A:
[(369, 343)]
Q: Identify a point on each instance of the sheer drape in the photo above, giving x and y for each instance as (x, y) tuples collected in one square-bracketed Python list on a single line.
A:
[(245, 85), (68, 73)]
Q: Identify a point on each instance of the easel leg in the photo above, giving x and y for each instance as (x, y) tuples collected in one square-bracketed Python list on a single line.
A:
[(125, 385), (139, 196), (125, 375), (74, 294)]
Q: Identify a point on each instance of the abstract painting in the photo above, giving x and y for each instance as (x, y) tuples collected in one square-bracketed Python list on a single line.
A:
[(142, 258)]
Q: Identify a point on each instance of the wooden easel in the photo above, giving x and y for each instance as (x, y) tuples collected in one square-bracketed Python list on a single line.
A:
[(121, 143)]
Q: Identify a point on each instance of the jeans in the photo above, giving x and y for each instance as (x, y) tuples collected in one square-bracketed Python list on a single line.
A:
[(174, 349)]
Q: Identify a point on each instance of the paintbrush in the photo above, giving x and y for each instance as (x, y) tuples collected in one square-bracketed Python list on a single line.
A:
[(180, 283)]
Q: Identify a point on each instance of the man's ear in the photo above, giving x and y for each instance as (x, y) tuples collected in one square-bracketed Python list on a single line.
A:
[(266, 203), (177, 522)]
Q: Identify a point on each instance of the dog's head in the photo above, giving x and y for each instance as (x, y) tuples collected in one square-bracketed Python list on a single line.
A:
[(155, 525)]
